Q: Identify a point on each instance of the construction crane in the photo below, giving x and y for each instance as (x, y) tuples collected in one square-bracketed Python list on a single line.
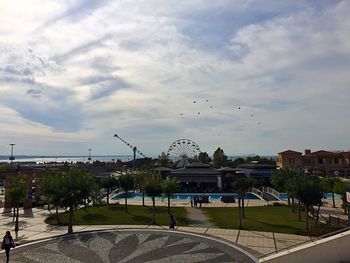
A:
[(134, 149)]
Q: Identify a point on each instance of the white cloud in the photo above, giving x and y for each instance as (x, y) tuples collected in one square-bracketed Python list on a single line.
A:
[(86, 70)]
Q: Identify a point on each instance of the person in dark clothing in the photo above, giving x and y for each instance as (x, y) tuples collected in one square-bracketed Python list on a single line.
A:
[(172, 222), (7, 244)]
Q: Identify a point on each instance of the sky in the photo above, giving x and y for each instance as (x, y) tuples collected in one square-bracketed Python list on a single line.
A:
[(251, 77)]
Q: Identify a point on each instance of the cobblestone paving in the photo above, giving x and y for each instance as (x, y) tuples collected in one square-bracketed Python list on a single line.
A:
[(129, 246)]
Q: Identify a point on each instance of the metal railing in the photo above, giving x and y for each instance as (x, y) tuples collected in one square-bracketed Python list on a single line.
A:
[(256, 191), (271, 191)]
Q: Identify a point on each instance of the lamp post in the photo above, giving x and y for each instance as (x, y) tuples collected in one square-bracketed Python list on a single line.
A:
[(89, 155), (12, 158)]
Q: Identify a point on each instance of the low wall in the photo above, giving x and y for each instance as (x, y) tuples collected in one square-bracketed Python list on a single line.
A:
[(328, 250)]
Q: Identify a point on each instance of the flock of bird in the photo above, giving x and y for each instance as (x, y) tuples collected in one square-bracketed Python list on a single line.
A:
[(251, 115)]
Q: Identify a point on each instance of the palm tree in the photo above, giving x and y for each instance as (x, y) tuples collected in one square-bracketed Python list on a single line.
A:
[(328, 184), (310, 193), (51, 188), (77, 186), (141, 180), (241, 186), (16, 190), (127, 182), (153, 189), (340, 189), (170, 186), (286, 180), (108, 183)]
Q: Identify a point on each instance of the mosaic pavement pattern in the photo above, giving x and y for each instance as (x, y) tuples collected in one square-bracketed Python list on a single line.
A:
[(130, 247)]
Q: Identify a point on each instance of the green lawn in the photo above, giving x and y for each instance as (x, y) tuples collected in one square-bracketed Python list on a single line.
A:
[(116, 215), (269, 219)]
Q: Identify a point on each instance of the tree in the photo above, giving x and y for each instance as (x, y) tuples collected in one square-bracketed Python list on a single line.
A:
[(164, 159), (16, 190), (237, 162), (141, 181), (153, 189), (51, 188), (310, 193), (219, 158), (127, 182), (108, 183), (170, 186), (328, 184), (203, 157), (340, 189), (78, 186), (286, 180), (241, 186)]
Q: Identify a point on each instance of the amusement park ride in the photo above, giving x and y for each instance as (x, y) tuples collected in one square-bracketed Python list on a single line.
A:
[(134, 149)]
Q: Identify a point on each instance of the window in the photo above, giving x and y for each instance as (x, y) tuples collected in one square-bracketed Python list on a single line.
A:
[(320, 160)]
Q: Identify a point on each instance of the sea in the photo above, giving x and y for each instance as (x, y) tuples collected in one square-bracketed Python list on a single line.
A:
[(74, 159), (62, 159)]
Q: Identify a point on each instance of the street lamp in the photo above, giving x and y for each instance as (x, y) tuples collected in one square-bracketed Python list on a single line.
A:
[(12, 158), (89, 155)]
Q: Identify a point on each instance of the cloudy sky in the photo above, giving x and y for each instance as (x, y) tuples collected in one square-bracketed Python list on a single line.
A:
[(265, 76)]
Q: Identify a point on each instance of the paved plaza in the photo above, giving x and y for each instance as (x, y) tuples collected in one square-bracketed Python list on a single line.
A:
[(258, 244), (130, 246)]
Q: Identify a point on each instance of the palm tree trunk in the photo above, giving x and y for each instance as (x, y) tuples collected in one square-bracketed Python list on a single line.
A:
[(14, 213), (344, 206), (243, 211), (239, 213), (107, 195), (57, 212), (153, 211), (17, 216), (70, 220), (318, 214), (333, 200), (288, 201), (143, 198), (307, 218), (293, 207), (299, 210), (126, 200), (169, 204)]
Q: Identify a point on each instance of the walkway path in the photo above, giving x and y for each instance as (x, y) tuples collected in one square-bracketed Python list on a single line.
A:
[(33, 228), (126, 246), (197, 218)]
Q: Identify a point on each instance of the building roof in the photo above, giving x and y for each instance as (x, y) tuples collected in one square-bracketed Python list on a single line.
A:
[(289, 151), (196, 169), (257, 166), (163, 169), (324, 153)]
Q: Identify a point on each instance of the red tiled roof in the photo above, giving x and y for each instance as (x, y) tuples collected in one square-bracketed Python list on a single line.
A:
[(289, 151), (323, 152)]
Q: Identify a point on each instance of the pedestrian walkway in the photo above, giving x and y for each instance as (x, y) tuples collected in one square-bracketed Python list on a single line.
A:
[(131, 245), (33, 228), (197, 218)]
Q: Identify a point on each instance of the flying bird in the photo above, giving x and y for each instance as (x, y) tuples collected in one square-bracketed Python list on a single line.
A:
[(252, 115), (181, 113), (198, 113), (194, 101), (211, 107), (239, 108), (259, 123), (206, 100)]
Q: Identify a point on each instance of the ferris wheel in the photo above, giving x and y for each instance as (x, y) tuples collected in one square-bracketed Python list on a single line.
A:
[(183, 148)]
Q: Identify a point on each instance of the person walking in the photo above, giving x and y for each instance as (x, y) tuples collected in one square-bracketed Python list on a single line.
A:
[(7, 244), (172, 222)]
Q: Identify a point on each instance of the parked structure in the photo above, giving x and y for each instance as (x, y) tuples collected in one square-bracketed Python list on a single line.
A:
[(320, 162)]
